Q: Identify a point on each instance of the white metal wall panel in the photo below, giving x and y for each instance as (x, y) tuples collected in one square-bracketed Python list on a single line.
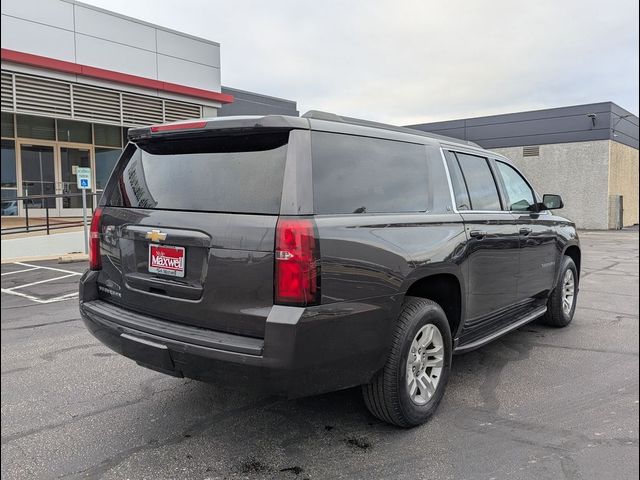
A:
[(48, 12), (116, 29), (113, 56), (77, 33), (187, 48), (182, 72), (25, 36)]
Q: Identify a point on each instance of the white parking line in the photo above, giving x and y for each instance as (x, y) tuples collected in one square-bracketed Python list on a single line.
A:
[(47, 268), (20, 271), (33, 298), (38, 282), (40, 300)]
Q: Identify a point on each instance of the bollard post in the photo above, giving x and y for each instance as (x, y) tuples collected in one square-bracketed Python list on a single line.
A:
[(26, 213)]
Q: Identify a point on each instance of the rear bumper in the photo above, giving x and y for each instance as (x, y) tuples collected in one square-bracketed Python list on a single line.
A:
[(304, 351)]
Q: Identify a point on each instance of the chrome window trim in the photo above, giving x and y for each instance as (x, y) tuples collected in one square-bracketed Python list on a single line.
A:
[(497, 158), (451, 192)]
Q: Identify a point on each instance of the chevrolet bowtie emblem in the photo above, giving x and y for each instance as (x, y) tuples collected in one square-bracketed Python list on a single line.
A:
[(155, 235)]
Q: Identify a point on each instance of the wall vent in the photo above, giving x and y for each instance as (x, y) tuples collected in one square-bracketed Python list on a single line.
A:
[(139, 110), (47, 97), (7, 91), (174, 111), (44, 96), (531, 151), (96, 104)]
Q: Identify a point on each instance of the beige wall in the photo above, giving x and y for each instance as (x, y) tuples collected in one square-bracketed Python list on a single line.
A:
[(623, 179), (578, 171)]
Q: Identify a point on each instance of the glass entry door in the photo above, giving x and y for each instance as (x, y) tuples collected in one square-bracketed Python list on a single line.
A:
[(70, 159), (38, 173), (51, 170)]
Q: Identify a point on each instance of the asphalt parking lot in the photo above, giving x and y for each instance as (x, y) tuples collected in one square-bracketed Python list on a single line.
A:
[(538, 403)]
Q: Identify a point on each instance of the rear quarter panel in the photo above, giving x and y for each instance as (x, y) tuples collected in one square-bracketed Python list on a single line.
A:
[(368, 264)]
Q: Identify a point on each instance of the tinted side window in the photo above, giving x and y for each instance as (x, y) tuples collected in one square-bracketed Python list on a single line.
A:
[(519, 194), (481, 185), (354, 174)]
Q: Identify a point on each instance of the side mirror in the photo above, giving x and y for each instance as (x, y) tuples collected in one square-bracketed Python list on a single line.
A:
[(552, 202)]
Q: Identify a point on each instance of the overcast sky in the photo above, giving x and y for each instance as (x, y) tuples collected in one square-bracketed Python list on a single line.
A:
[(406, 62)]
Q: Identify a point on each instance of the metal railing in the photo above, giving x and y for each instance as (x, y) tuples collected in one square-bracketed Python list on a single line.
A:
[(44, 204)]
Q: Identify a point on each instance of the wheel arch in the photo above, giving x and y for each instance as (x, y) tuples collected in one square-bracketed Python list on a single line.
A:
[(574, 252), (446, 289)]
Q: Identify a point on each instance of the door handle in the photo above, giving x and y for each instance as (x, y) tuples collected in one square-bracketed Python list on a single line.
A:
[(479, 234), (525, 231)]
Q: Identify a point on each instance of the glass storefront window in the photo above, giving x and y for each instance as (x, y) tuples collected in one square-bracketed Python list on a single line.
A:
[(106, 159), (38, 175), (36, 127), (9, 185), (9, 203), (71, 131), (8, 164), (49, 168), (107, 135), (7, 125)]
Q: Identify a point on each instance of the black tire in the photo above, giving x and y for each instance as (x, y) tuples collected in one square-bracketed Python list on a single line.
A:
[(387, 396), (556, 316)]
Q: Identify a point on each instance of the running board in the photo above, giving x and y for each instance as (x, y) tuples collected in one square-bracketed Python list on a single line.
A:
[(467, 347)]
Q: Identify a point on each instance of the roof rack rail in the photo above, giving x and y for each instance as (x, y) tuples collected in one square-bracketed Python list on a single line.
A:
[(332, 117)]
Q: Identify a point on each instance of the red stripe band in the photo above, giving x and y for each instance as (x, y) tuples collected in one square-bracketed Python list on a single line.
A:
[(103, 74)]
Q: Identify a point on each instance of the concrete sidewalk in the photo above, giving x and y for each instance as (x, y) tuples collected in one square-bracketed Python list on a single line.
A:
[(38, 246)]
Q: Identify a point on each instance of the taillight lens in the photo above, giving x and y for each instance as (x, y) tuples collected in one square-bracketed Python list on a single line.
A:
[(170, 127), (95, 262), (296, 263)]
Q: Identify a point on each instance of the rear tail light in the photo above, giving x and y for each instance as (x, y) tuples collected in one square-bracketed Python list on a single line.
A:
[(296, 264), (95, 262)]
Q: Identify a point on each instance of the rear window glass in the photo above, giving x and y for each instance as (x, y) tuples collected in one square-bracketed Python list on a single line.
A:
[(354, 174), (238, 174)]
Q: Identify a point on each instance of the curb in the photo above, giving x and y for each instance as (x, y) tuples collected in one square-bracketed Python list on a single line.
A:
[(73, 258), (67, 258)]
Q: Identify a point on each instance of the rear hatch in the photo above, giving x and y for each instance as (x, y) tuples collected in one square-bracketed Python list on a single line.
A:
[(188, 228)]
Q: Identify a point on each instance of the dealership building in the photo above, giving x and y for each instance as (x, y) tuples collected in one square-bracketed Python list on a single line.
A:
[(76, 77)]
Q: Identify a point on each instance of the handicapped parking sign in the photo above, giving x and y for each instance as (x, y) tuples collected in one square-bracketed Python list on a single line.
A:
[(83, 176)]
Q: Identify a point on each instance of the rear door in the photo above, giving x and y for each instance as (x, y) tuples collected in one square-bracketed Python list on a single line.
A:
[(188, 229), (492, 238)]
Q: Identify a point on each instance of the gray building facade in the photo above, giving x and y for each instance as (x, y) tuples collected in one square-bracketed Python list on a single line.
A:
[(586, 153), (251, 103)]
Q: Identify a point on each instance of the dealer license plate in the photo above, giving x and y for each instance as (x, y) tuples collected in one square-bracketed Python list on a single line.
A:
[(166, 260)]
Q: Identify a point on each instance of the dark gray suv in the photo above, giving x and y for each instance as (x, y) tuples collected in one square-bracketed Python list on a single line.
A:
[(305, 255)]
